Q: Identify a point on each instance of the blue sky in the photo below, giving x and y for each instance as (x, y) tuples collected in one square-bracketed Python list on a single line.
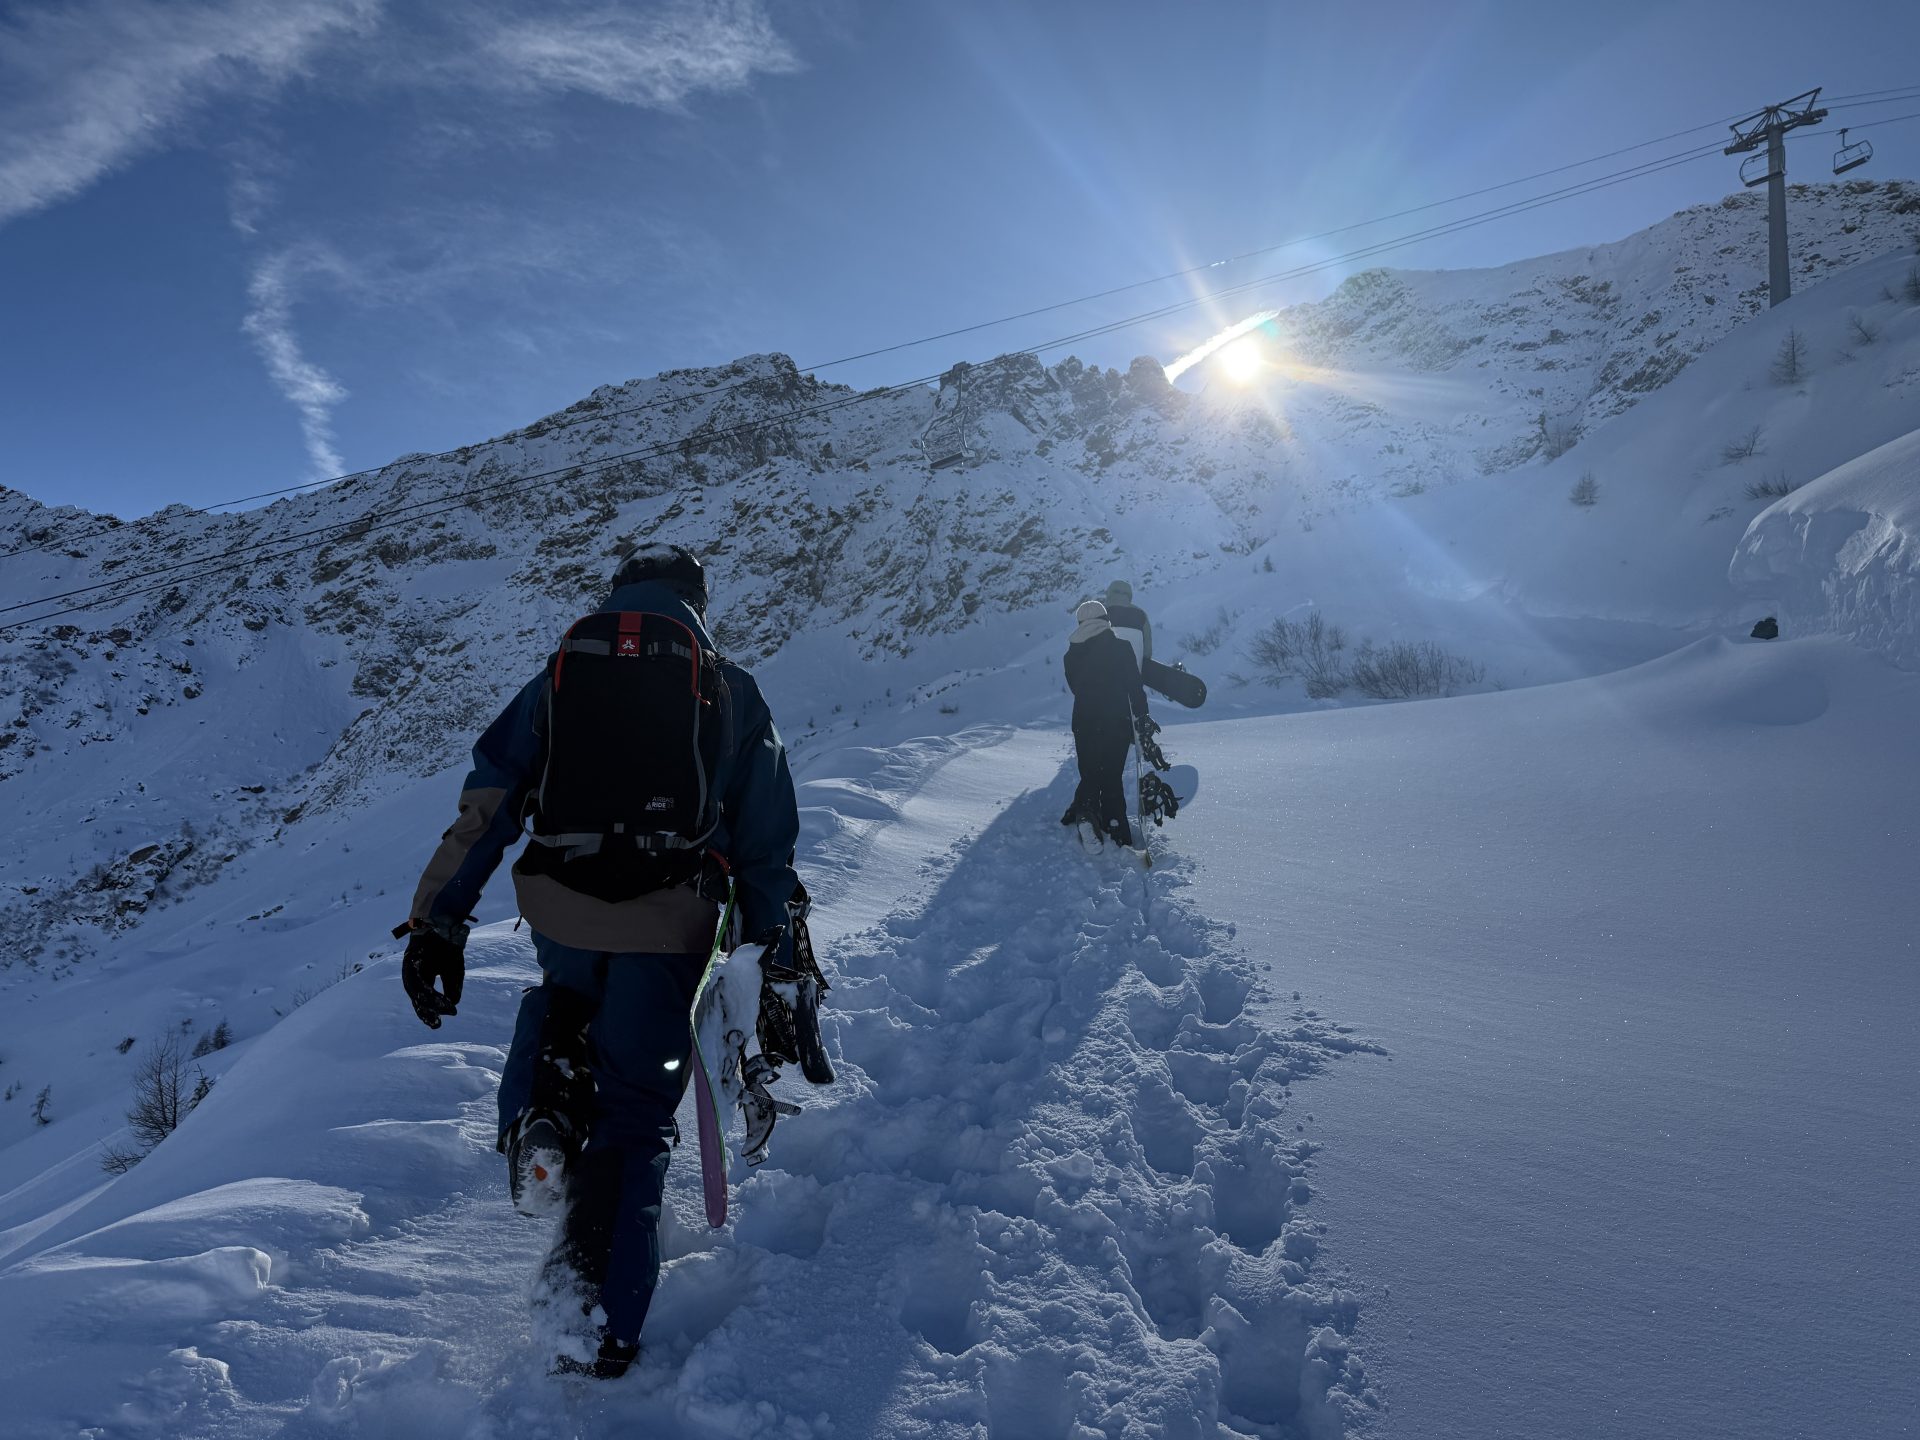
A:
[(244, 243)]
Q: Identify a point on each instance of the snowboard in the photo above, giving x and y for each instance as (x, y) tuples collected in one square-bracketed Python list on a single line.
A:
[(1176, 682), (725, 1012)]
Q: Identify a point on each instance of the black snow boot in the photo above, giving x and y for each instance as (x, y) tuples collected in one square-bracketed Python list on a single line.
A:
[(616, 1357)]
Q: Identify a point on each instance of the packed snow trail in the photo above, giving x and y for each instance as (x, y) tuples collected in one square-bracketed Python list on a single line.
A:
[(1058, 1192)]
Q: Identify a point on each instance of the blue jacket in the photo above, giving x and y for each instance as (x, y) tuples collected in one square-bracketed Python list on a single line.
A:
[(759, 819)]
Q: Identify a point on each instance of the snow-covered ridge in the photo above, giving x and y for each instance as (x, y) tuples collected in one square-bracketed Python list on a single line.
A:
[(1585, 334), (1843, 553)]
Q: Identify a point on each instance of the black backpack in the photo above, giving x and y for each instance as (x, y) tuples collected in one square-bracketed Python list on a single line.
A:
[(638, 723)]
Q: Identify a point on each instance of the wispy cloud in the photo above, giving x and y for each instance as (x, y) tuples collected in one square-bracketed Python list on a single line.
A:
[(88, 85), (654, 58), (271, 294)]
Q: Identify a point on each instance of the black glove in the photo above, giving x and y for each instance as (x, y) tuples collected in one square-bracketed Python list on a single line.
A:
[(431, 956)]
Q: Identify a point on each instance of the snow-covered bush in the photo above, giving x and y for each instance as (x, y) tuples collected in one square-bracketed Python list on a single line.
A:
[(1403, 669)]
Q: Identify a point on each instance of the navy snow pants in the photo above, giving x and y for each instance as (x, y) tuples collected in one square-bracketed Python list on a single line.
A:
[(1102, 792), (640, 1047)]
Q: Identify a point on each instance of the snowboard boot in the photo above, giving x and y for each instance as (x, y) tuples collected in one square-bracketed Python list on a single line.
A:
[(789, 1028), (540, 1151), (615, 1358)]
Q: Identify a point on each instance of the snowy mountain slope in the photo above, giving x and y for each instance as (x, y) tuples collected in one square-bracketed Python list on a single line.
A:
[(1642, 949), (1840, 554), (1061, 1184), (1586, 334)]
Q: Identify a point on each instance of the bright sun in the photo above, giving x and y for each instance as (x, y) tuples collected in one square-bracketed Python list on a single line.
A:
[(1242, 361)]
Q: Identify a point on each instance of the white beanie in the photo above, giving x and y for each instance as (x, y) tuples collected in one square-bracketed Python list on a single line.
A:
[(1090, 610)]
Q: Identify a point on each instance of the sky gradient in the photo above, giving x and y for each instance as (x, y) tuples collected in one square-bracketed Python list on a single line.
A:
[(246, 244)]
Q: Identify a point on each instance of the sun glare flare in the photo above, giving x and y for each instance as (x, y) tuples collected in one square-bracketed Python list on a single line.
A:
[(1242, 361)]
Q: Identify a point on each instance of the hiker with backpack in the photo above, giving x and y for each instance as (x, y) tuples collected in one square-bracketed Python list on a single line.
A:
[(1129, 621), (1109, 716), (654, 785)]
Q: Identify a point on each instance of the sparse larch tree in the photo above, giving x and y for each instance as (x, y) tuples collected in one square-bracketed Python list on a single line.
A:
[(1790, 360), (166, 1087), (1586, 491)]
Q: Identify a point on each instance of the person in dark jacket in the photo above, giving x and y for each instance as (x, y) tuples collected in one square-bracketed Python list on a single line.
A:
[(1108, 704), (605, 1037), (1129, 621)]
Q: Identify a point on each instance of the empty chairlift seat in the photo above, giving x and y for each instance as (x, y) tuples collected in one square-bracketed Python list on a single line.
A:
[(1851, 157)]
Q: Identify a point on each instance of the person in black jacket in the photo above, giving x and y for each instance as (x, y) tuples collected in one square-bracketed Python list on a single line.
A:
[(1108, 704)]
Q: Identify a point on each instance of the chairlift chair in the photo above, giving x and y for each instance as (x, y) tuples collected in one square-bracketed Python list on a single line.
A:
[(1851, 157), (1756, 170)]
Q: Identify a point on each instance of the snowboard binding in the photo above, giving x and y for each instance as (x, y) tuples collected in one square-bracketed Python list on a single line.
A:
[(1158, 803)]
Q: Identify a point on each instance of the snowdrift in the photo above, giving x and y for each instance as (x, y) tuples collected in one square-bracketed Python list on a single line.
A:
[(1843, 553)]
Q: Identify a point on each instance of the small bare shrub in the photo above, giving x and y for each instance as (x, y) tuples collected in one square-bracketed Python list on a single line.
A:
[(1309, 648), (1586, 491), (41, 1104), (1556, 436), (1744, 448), (1205, 642), (1865, 333), (1773, 487), (1911, 288), (1404, 669)]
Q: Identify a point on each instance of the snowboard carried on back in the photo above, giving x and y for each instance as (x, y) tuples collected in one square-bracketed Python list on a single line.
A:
[(1176, 682)]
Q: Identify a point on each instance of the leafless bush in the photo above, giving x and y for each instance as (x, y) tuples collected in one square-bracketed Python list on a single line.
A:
[(1205, 642), (1772, 488), (1586, 491), (1865, 333), (1744, 448), (1556, 436), (1911, 288), (1309, 648), (1404, 669), (166, 1087)]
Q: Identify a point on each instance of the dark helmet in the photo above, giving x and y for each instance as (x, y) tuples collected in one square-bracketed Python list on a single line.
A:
[(674, 566)]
